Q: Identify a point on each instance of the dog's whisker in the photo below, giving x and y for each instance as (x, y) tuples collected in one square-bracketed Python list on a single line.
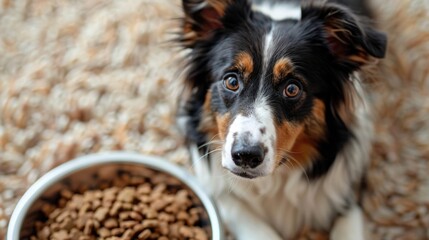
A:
[(288, 151), (192, 167), (300, 166), (212, 141), (210, 152), (285, 163), (286, 157)]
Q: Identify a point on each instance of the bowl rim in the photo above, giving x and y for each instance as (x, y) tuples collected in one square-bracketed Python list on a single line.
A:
[(121, 157)]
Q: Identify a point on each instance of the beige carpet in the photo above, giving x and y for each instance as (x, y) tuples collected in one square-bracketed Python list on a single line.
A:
[(78, 77)]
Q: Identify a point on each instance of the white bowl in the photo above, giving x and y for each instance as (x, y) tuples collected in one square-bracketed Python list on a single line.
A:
[(82, 169)]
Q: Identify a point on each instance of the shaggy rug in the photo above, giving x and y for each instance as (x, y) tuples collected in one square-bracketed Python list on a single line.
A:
[(78, 77)]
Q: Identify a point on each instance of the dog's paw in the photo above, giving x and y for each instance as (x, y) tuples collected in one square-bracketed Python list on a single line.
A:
[(258, 235), (349, 226)]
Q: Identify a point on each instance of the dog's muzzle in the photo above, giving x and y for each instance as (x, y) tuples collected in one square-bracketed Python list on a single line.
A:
[(248, 151)]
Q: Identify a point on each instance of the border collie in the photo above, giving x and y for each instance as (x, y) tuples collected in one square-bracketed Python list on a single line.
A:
[(276, 113)]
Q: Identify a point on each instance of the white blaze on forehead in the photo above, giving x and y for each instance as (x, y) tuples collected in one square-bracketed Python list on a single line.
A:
[(279, 11), (268, 43), (267, 52)]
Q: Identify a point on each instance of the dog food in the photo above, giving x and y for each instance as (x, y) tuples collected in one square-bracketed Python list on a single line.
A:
[(152, 206)]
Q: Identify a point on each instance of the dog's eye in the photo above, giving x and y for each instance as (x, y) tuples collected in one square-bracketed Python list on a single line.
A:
[(231, 82), (292, 90)]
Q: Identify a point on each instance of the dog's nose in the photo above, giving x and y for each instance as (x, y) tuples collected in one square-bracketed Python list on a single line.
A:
[(247, 156)]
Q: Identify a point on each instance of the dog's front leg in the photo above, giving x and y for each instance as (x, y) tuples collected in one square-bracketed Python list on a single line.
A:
[(242, 222), (349, 226)]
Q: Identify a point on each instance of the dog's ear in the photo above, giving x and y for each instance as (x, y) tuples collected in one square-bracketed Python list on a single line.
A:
[(350, 41), (202, 18)]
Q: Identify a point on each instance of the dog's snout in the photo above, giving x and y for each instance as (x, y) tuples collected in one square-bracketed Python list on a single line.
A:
[(247, 156)]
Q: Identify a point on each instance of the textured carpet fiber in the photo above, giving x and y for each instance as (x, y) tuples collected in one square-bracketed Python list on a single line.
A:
[(78, 77)]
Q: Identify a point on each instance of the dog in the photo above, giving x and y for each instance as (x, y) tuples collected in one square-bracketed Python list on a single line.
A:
[(276, 112)]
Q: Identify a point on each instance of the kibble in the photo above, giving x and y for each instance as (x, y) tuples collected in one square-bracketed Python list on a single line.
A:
[(154, 206), (145, 234), (111, 223)]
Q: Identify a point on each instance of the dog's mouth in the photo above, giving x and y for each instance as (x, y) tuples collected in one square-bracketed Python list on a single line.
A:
[(244, 174)]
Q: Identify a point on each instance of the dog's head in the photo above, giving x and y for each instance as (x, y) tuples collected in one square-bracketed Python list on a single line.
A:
[(272, 90)]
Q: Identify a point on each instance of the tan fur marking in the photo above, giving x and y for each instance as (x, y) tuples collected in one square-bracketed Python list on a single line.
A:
[(315, 125), (287, 134), (219, 5), (244, 63), (342, 35), (360, 58), (223, 122), (299, 141), (282, 68)]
